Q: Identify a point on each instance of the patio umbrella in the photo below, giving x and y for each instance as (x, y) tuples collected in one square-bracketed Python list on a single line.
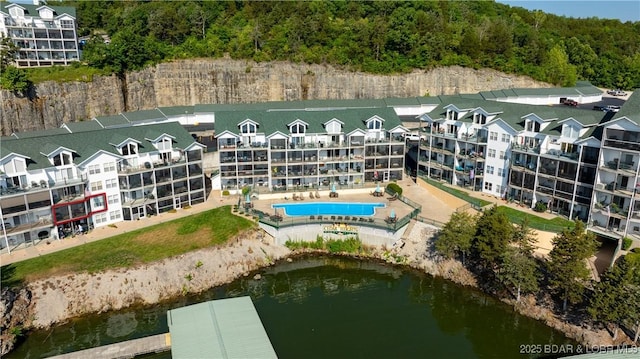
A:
[(378, 187), (392, 214), (247, 198), (333, 187)]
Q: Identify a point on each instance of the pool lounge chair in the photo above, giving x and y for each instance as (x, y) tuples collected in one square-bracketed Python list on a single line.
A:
[(311, 195), (295, 197), (317, 194), (301, 196)]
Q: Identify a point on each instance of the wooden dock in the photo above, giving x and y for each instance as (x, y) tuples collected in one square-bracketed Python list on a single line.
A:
[(124, 350)]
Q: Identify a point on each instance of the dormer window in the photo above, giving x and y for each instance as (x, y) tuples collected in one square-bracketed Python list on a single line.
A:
[(570, 132), (532, 126), (248, 128), (298, 128), (61, 159), (479, 118), (374, 124), (129, 149), (164, 145), (452, 115)]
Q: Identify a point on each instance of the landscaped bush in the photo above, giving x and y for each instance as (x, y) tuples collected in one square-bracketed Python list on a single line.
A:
[(394, 188), (348, 245), (626, 243), (225, 192), (540, 206)]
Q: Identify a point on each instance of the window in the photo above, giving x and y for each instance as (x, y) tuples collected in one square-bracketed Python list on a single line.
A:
[(374, 125), (164, 145), (66, 24), (493, 136), (506, 138), (248, 128), (492, 153), (111, 183), (113, 215), (129, 149), (501, 172), (109, 166), (498, 188), (100, 218), (297, 128), (96, 186), (452, 115), (480, 119), (62, 159), (502, 156), (98, 203), (488, 186), (113, 199), (94, 169), (490, 169)]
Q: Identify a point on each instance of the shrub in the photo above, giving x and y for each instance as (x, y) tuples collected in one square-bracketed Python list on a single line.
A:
[(394, 188), (225, 192), (540, 206), (626, 243)]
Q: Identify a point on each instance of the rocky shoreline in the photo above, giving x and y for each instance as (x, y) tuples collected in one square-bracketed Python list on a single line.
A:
[(51, 301)]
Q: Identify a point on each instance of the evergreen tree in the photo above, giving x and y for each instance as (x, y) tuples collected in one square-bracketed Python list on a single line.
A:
[(455, 237), (15, 80), (493, 232), (519, 269), (8, 52), (567, 266)]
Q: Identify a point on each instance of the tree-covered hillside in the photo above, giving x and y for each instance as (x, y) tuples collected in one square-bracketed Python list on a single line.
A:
[(373, 36)]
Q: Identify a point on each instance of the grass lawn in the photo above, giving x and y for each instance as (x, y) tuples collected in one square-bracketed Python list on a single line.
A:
[(456, 192), (556, 224), (145, 245)]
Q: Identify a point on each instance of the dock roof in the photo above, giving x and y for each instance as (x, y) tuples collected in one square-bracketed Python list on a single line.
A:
[(224, 328)]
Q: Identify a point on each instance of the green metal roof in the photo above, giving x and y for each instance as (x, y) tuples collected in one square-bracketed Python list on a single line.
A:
[(631, 108), (83, 126), (85, 144), (176, 110), (41, 133), (272, 121), (112, 121), (30, 9), (144, 115), (225, 328)]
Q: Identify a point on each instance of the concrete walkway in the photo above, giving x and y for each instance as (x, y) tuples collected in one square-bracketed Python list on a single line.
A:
[(128, 349)]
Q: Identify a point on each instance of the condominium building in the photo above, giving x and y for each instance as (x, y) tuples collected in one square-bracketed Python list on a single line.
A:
[(45, 35), (295, 149), (54, 181)]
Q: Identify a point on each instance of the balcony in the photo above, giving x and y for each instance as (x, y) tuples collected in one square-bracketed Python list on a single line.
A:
[(525, 148), (625, 145)]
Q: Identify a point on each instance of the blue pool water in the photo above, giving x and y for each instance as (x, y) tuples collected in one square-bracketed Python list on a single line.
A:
[(329, 208)]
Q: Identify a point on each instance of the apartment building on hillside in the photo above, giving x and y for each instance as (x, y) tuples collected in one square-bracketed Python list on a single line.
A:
[(53, 181), (45, 35), (298, 149)]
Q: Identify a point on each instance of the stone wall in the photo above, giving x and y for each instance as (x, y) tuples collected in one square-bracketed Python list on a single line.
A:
[(205, 81)]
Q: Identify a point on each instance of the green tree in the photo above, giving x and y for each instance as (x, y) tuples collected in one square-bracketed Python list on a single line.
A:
[(559, 70), (16, 80), (567, 266), (456, 235), (493, 232), (8, 51), (615, 297), (519, 269)]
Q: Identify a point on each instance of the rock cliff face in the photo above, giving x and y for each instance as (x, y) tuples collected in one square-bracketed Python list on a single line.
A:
[(231, 81)]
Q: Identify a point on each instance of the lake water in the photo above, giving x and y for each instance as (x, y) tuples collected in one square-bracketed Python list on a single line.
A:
[(331, 307)]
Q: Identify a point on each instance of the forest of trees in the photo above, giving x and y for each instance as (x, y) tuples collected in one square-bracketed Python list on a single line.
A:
[(502, 256), (372, 36)]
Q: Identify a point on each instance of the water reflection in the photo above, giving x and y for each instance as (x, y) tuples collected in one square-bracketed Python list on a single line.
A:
[(333, 308)]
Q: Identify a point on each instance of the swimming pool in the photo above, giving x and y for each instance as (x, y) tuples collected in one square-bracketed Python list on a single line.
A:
[(329, 208)]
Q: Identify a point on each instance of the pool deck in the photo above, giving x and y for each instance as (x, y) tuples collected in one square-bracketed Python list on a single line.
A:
[(265, 202)]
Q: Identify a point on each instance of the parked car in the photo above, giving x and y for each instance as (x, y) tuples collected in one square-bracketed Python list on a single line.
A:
[(616, 92), (571, 103), (612, 108), (599, 108)]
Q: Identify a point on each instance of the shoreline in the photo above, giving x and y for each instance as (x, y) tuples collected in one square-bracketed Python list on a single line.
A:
[(56, 300)]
